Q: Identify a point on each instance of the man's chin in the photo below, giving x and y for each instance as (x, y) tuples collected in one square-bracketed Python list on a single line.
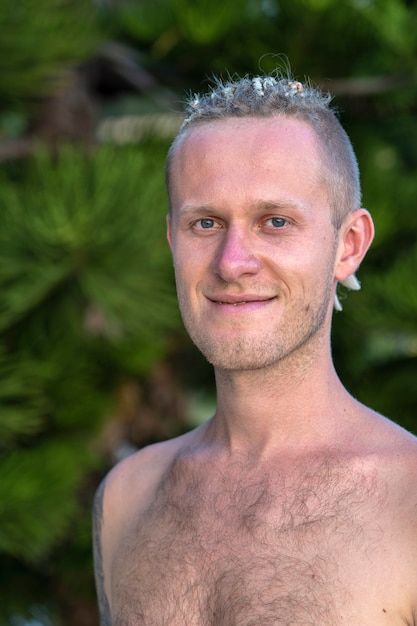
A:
[(237, 357)]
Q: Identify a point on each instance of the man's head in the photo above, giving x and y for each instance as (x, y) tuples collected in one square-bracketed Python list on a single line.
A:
[(264, 221), (269, 96)]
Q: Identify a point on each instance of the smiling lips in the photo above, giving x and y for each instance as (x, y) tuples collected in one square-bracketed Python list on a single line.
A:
[(249, 300)]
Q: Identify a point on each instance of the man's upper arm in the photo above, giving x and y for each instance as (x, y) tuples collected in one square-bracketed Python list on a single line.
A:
[(103, 603)]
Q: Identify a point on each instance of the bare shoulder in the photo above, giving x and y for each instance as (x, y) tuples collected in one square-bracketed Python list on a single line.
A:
[(396, 445), (113, 503), (396, 458), (386, 455), (389, 452), (134, 478), (404, 468), (398, 463), (395, 448), (121, 498), (129, 488)]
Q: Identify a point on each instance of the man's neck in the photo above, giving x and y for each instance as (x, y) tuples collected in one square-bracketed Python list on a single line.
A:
[(281, 408)]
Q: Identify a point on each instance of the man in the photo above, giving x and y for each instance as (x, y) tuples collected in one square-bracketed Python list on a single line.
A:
[(295, 504)]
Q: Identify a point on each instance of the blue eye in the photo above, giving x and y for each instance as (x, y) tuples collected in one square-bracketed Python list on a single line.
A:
[(206, 223), (278, 222)]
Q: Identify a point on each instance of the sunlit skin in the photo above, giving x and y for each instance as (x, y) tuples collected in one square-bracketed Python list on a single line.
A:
[(255, 252)]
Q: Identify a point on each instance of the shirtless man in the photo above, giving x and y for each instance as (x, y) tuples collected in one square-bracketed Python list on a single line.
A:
[(295, 504)]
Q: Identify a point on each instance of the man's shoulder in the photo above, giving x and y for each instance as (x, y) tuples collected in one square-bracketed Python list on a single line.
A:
[(128, 491), (389, 451), (134, 479), (386, 463), (395, 446), (397, 463), (397, 441)]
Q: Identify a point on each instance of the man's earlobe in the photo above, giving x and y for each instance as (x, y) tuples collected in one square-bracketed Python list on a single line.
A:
[(356, 235)]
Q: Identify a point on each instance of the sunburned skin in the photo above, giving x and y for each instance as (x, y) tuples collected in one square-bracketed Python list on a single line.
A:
[(232, 545)]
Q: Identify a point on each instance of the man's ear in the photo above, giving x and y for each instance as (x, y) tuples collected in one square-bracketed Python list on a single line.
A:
[(355, 237), (169, 230)]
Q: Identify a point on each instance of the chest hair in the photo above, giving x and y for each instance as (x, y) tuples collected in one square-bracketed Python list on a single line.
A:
[(243, 548)]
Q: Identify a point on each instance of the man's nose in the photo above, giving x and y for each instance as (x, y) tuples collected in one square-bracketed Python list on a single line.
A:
[(236, 256)]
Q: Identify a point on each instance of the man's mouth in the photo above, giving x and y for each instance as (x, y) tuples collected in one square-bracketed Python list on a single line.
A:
[(234, 302)]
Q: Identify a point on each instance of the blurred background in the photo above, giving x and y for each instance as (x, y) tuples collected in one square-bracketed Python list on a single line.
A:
[(94, 362)]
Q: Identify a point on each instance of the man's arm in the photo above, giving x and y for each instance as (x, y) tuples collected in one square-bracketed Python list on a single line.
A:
[(103, 604)]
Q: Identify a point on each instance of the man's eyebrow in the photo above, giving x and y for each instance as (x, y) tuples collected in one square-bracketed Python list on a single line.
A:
[(279, 205), (258, 206), (196, 210)]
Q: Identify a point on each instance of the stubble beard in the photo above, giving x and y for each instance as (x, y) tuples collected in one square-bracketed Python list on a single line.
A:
[(295, 338)]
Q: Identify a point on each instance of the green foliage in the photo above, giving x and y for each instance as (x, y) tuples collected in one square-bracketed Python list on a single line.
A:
[(144, 20), (394, 23), (88, 299), (197, 21), (38, 40), (38, 496), (21, 403), (85, 235), (205, 21)]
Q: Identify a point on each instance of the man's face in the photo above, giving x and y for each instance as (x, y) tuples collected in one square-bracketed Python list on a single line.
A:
[(252, 241)]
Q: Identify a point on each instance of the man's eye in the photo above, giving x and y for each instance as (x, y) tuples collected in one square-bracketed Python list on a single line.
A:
[(206, 223), (278, 222)]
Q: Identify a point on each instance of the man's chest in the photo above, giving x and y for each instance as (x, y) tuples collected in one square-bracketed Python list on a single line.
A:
[(266, 552)]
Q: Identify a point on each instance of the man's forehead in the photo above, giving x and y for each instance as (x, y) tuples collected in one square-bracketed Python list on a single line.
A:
[(268, 160), (257, 135)]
